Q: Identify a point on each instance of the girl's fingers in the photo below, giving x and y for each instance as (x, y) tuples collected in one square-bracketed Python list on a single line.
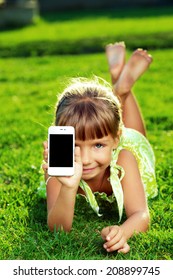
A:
[(45, 167), (78, 155), (109, 232), (45, 144), (45, 153), (113, 230), (45, 156), (105, 231), (125, 249), (114, 240), (119, 245)]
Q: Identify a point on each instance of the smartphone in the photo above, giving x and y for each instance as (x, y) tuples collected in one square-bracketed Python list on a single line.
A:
[(61, 145)]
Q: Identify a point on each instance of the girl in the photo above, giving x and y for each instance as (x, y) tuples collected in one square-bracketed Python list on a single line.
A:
[(112, 155)]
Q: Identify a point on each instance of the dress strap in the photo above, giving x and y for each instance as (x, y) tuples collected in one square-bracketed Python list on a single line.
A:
[(115, 171), (90, 197)]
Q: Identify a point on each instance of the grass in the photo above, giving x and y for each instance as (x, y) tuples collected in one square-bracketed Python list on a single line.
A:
[(28, 89), (28, 94), (105, 23), (59, 33)]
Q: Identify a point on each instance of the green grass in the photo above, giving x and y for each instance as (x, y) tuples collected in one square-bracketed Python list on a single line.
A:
[(89, 31), (28, 89), (94, 24)]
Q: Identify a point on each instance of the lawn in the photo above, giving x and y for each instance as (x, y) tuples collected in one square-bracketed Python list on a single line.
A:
[(94, 24), (28, 91), (89, 31)]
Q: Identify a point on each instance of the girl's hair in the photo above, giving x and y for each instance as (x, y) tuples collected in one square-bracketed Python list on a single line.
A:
[(90, 107)]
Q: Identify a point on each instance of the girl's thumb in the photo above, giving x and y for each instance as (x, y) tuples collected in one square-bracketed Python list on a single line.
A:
[(78, 155)]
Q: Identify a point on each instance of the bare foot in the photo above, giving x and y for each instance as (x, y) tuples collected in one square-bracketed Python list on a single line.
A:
[(136, 66), (116, 59)]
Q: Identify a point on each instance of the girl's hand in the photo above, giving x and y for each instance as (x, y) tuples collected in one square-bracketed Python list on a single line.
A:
[(73, 181), (115, 239), (45, 152), (45, 157), (68, 181)]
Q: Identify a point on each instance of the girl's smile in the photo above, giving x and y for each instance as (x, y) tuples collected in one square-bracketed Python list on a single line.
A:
[(88, 170)]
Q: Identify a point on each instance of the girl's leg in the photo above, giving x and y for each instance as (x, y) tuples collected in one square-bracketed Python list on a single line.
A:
[(136, 66), (132, 116)]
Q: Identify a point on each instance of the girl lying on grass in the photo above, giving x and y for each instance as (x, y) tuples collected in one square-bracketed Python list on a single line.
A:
[(112, 154)]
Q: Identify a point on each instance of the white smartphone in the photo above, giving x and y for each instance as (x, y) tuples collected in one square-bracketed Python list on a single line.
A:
[(61, 145)]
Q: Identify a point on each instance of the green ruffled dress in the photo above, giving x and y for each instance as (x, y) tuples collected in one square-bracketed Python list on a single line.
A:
[(135, 142)]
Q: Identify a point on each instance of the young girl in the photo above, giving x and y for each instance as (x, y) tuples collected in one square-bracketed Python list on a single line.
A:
[(112, 154)]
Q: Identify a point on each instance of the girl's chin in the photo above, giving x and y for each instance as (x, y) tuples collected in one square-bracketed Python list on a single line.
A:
[(87, 176)]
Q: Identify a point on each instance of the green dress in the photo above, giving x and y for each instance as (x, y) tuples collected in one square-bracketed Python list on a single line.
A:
[(135, 142)]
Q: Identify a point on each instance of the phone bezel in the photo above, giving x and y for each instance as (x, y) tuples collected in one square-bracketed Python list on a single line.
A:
[(61, 171)]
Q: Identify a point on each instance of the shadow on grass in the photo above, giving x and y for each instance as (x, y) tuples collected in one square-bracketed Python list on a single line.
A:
[(78, 14), (82, 243), (86, 46), (130, 12)]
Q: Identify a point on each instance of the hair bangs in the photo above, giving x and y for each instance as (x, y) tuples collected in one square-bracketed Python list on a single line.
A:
[(92, 123), (90, 128), (88, 119)]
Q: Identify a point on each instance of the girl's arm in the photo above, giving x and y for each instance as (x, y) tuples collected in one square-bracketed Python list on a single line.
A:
[(135, 201), (60, 204), (135, 204), (61, 195)]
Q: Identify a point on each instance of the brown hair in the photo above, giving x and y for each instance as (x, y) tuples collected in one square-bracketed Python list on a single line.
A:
[(91, 108)]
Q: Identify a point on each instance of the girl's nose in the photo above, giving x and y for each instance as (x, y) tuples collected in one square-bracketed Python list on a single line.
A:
[(86, 157)]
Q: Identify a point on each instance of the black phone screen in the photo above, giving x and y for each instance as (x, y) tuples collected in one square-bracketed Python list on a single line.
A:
[(61, 150)]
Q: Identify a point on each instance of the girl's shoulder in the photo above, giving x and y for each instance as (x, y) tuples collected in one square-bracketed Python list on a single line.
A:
[(133, 141), (137, 143), (131, 135)]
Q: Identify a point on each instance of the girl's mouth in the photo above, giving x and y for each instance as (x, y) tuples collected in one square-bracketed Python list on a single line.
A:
[(88, 170)]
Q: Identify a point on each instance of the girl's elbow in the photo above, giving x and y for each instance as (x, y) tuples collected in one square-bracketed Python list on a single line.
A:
[(146, 221)]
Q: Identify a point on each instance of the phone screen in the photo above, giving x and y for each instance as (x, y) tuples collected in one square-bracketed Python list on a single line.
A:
[(61, 150)]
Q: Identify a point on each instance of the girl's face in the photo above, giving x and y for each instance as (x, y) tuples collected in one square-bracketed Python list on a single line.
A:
[(96, 155)]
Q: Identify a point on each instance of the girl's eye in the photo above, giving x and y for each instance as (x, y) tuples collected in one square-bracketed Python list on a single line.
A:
[(98, 146)]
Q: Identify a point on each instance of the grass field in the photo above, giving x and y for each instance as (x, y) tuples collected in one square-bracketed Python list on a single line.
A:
[(28, 89), (105, 22), (59, 33)]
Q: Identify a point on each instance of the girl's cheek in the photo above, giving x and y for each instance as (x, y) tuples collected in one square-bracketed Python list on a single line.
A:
[(105, 158)]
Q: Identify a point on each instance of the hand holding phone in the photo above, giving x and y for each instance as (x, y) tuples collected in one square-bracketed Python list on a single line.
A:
[(73, 181)]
